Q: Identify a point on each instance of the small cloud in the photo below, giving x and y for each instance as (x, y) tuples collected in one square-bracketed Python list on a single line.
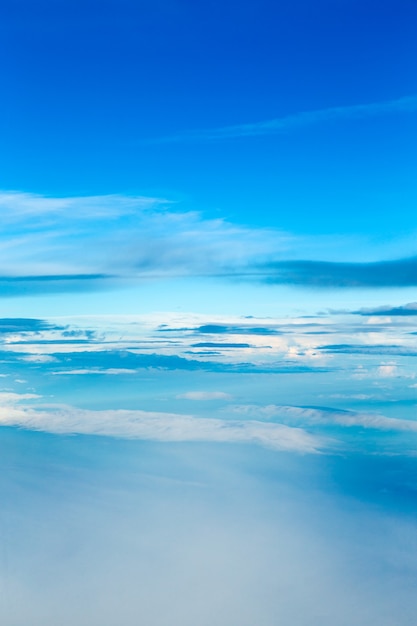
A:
[(39, 358), (387, 370), (204, 395)]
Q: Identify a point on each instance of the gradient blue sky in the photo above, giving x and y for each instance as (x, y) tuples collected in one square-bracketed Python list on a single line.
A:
[(208, 320)]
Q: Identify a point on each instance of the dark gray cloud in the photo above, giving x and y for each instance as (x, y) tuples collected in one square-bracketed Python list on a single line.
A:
[(396, 273)]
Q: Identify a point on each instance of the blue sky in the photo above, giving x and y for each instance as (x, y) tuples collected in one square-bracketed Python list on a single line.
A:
[(208, 315)]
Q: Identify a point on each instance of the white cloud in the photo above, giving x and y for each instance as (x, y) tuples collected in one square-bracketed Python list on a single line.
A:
[(9, 398), (16, 206), (156, 426), (307, 415), (387, 370), (204, 395), (39, 358)]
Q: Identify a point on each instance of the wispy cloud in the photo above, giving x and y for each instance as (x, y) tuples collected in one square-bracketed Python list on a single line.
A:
[(155, 426), (56, 244), (16, 206), (297, 120)]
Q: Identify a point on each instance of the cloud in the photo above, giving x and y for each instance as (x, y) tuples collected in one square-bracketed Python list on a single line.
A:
[(324, 415), (19, 206), (204, 395), (387, 370), (390, 311), (51, 245), (328, 274), (298, 120), (56, 244), (112, 371), (388, 349), (38, 284), (99, 361), (221, 329), (25, 324), (155, 426)]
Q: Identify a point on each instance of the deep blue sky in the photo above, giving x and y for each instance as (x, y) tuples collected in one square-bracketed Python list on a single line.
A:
[(85, 85)]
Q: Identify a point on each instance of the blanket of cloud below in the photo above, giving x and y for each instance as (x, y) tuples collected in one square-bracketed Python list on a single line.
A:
[(123, 532)]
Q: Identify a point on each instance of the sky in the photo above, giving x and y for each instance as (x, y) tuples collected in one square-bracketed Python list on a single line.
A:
[(208, 273)]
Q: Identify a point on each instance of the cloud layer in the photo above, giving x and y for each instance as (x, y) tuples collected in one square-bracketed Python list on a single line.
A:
[(152, 425), (50, 245)]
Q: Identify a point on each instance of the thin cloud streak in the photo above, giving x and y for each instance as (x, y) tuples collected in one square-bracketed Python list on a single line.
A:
[(297, 120)]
